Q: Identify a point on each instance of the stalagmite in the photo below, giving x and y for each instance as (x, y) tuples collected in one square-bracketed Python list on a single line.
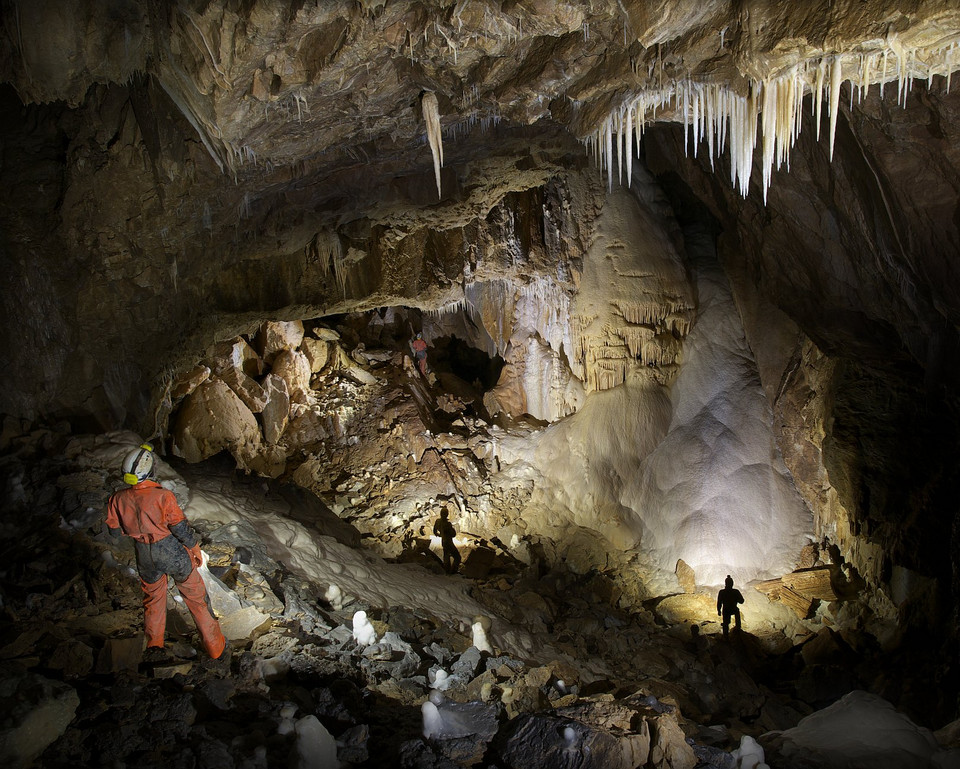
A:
[(431, 116)]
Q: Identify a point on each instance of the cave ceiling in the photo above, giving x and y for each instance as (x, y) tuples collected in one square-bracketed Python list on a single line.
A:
[(164, 150)]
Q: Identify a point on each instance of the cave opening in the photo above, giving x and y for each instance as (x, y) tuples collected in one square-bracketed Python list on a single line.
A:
[(476, 367)]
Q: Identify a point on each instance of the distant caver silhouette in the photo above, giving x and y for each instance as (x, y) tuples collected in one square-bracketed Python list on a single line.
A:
[(727, 603), (444, 529)]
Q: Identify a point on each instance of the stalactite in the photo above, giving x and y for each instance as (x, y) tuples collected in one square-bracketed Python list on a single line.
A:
[(723, 117), (431, 116)]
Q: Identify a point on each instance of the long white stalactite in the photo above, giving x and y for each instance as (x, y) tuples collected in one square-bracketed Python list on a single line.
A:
[(723, 117), (431, 116)]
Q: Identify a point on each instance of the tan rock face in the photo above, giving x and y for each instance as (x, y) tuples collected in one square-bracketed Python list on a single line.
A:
[(317, 353), (211, 419), (275, 337), (276, 412), (293, 367)]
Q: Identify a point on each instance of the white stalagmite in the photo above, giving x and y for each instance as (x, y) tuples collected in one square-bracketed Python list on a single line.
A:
[(431, 116)]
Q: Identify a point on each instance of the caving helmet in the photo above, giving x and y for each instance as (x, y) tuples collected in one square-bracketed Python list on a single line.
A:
[(138, 464), (728, 581)]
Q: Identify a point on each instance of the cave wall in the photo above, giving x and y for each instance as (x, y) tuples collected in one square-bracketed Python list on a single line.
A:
[(140, 253), (852, 261)]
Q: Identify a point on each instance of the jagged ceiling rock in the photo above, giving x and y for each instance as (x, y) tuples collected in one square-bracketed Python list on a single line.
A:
[(187, 142)]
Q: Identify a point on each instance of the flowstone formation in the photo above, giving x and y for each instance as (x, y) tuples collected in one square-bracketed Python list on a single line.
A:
[(657, 443), (687, 277)]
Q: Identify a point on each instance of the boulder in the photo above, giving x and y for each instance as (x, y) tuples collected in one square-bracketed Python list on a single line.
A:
[(188, 382), (292, 366), (73, 657), (274, 336), (246, 388), (317, 353), (860, 729), (276, 412), (478, 563), (326, 334), (234, 353), (213, 418), (268, 461), (359, 375), (695, 607), (35, 712), (244, 623), (120, 654), (686, 577), (668, 744)]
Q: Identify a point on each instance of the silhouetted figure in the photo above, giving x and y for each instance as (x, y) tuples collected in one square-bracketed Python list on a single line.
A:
[(444, 529), (727, 601)]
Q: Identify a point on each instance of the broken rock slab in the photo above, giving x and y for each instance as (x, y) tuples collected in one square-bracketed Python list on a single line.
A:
[(326, 334), (246, 388), (292, 366), (235, 353), (245, 623), (686, 577), (668, 744), (120, 654), (211, 419), (317, 353), (34, 712), (276, 412), (274, 336), (189, 382)]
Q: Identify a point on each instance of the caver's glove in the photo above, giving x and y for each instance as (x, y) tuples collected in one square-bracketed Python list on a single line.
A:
[(195, 555)]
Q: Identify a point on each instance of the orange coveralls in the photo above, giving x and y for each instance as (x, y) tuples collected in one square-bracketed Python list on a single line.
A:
[(163, 539)]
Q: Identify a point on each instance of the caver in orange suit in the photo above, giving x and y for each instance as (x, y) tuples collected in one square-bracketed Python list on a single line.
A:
[(164, 544)]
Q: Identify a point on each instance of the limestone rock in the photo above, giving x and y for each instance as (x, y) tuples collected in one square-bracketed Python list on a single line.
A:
[(188, 382), (478, 563), (246, 388), (244, 623), (317, 353), (73, 657), (235, 353), (860, 729), (669, 748), (36, 712), (253, 588), (358, 375), (686, 577), (696, 607), (326, 334), (277, 411), (292, 366), (306, 430), (120, 654), (275, 336), (268, 461), (213, 418)]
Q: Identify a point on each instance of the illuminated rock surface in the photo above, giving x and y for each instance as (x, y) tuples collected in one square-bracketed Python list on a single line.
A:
[(687, 274)]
